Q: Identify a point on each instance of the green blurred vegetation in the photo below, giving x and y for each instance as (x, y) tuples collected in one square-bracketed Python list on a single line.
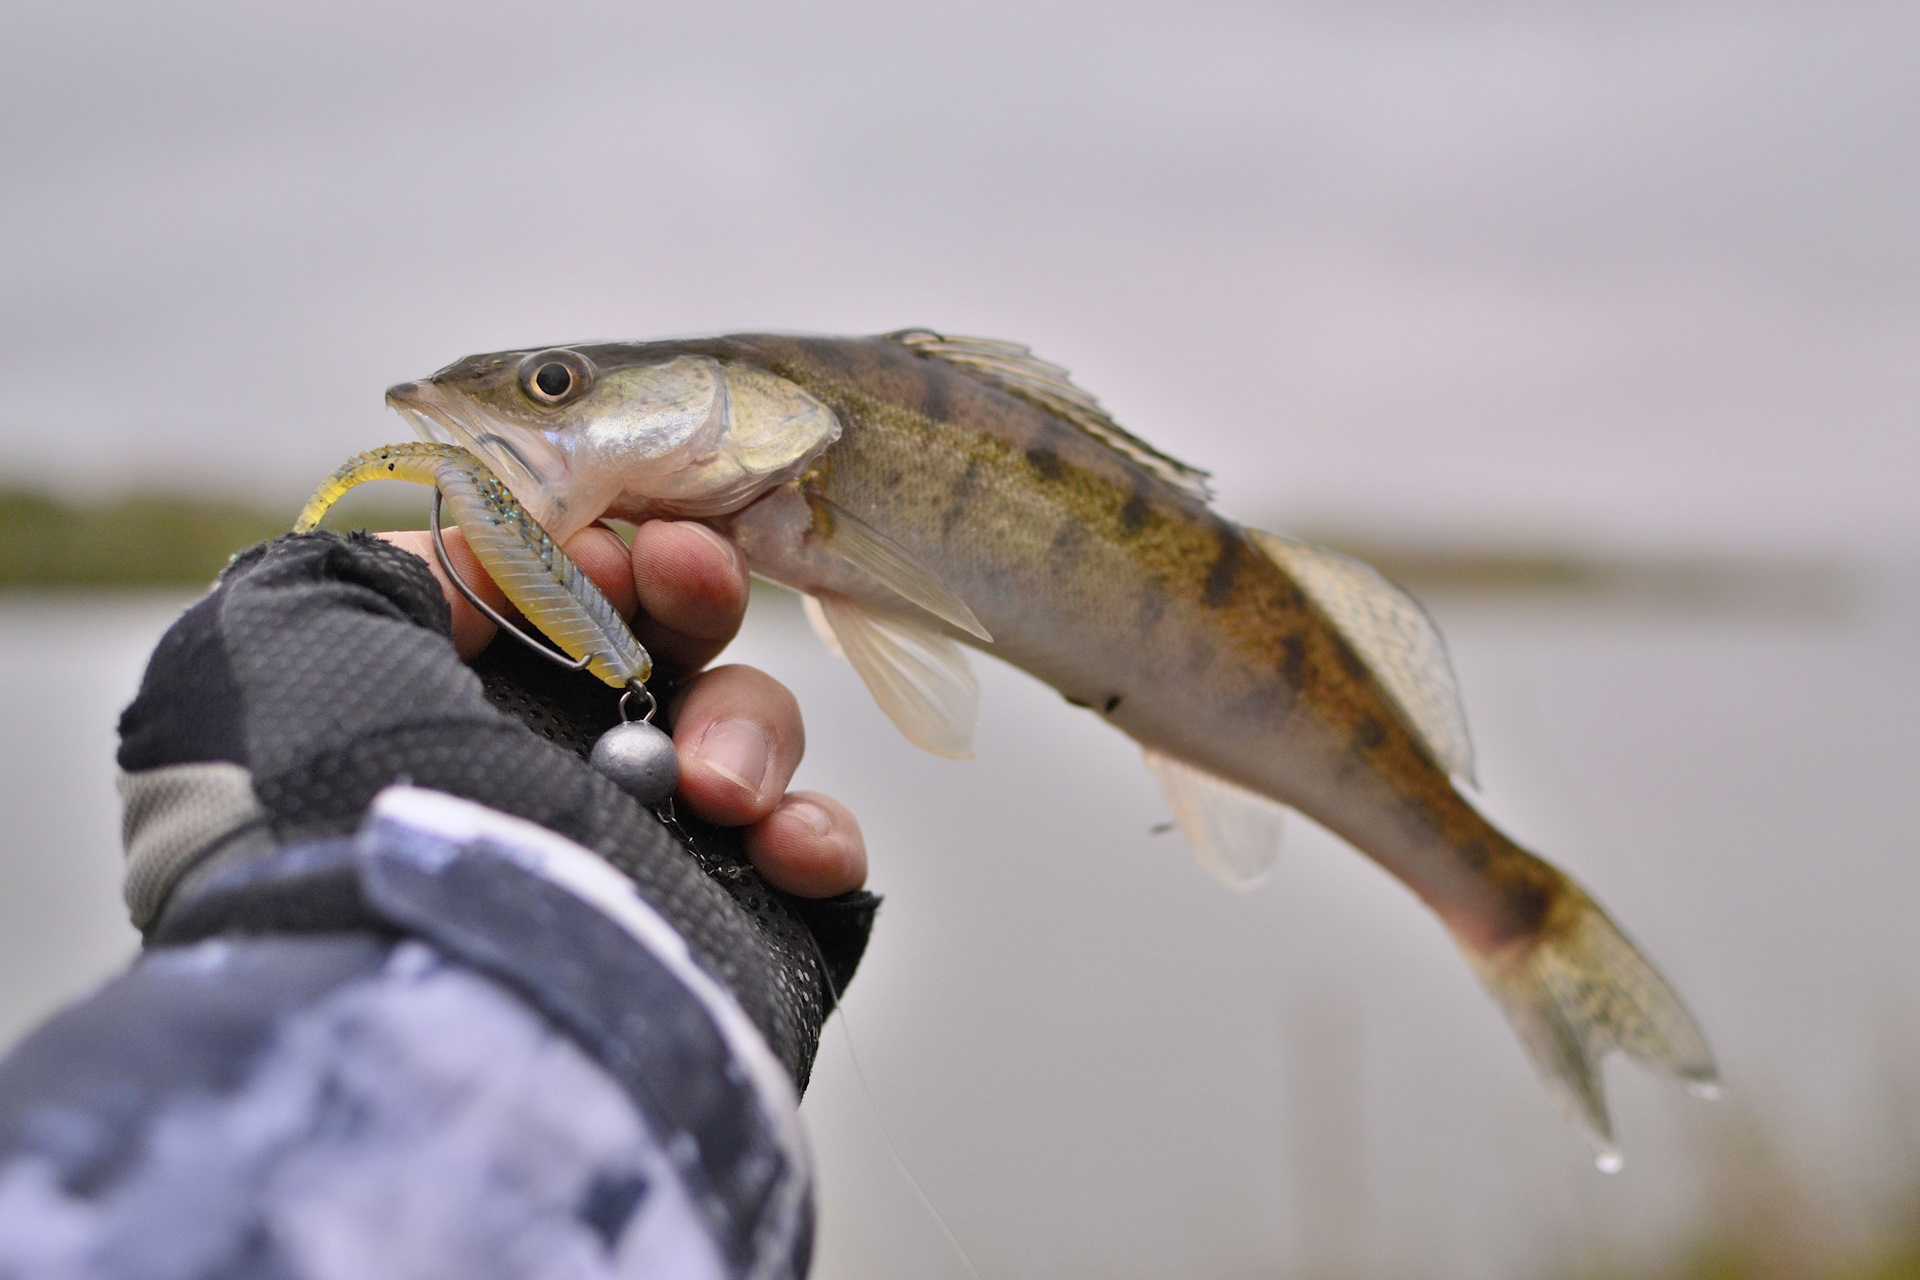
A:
[(174, 540), (1757, 1252), (1769, 1217), (158, 539)]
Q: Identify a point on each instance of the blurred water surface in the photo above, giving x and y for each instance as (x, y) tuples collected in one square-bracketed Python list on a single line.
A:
[(69, 661), (1097, 1062)]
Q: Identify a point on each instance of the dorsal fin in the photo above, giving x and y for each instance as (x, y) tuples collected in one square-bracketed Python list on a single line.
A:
[(1017, 371), (1392, 632)]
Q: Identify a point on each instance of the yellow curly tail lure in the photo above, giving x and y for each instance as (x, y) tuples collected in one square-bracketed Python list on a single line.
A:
[(536, 574)]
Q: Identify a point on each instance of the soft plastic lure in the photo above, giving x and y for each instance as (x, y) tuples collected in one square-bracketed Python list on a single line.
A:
[(546, 586), (539, 577)]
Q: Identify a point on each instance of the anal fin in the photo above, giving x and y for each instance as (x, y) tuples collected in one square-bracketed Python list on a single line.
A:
[(1234, 832), (919, 677)]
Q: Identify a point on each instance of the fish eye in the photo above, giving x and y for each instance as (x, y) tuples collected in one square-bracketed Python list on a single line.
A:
[(554, 377)]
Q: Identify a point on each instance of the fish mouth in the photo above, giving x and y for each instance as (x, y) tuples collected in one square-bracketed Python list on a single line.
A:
[(525, 461)]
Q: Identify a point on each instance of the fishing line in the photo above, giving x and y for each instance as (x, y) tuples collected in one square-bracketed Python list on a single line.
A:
[(873, 1109)]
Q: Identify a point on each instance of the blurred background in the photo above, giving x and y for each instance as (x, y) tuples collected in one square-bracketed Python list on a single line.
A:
[(1595, 325)]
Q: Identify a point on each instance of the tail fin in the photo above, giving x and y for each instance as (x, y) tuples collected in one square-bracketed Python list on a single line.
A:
[(1578, 992)]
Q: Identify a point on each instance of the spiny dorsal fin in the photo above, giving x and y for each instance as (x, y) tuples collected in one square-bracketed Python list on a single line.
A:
[(1016, 370), (1393, 633)]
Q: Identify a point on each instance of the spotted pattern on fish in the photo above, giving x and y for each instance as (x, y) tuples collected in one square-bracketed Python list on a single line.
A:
[(963, 494), (1045, 462), (1226, 567)]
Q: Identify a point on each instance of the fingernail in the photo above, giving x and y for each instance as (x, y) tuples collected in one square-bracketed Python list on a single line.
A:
[(718, 541), (811, 814), (737, 751)]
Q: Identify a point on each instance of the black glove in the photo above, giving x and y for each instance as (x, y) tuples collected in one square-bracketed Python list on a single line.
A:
[(319, 671)]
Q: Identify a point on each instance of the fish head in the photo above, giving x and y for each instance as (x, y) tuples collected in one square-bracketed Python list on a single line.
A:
[(631, 431)]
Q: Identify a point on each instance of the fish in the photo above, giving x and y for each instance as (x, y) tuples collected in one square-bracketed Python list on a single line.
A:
[(926, 491)]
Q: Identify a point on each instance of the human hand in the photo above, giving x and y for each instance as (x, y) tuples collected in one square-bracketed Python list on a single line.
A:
[(737, 730)]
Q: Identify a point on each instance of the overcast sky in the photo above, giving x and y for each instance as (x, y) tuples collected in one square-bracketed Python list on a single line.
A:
[(1643, 272)]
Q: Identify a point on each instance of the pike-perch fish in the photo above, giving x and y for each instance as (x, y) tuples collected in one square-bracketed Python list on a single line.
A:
[(925, 492)]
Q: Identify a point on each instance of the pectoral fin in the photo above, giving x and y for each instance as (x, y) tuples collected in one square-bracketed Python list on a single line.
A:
[(919, 677), (1234, 832), (894, 567), (1392, 633)]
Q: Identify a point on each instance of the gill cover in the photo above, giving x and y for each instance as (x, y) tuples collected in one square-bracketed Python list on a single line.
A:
[(695, 437)]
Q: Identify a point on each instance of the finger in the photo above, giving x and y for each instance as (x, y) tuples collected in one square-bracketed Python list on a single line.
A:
[(811, 846), (471, 629), (603, 557), (739, 736), (692, 590)]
